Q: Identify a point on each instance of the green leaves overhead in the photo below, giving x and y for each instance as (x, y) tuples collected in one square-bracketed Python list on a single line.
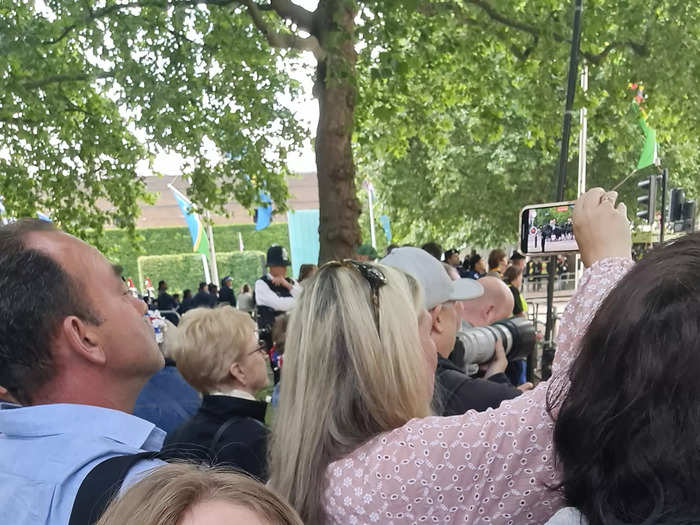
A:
[(457, 120), (89, 91), (461, 106)]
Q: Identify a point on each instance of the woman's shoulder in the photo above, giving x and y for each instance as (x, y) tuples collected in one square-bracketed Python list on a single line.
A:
[(399, 441)]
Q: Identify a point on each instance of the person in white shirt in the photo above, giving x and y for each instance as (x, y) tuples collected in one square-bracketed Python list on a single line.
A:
[(275, 293)]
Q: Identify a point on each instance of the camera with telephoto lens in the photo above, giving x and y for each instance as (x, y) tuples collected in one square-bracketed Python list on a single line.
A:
[(517, 334)]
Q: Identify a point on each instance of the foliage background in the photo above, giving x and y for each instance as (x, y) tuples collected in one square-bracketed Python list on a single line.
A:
[(544, 216), (184, 271), (457, 118), (460, 107), (177, 241)]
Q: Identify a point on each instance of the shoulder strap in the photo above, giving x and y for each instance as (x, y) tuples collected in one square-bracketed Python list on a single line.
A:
[(100, 485), (219, 433), (223, 428)]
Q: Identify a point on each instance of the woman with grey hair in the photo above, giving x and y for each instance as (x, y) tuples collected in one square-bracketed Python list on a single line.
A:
[(217, 351)]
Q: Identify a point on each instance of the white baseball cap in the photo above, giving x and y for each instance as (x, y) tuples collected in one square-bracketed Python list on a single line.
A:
[(437, 285)]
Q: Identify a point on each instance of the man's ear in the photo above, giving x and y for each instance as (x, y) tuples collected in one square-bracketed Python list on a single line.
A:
[(435, 315), (490, 313), (83, 340)]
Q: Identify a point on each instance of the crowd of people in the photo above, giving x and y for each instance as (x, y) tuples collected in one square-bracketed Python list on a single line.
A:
[(383, 414)]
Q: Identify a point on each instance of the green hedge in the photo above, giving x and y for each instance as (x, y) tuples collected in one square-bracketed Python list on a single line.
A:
[(176, 240), (182, 271)]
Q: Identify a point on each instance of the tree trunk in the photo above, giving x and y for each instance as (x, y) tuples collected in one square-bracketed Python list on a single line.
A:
[(339, 231)]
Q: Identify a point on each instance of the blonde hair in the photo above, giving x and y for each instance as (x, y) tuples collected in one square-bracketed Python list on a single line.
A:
[(343, 382), (168, 492), (208, 341)]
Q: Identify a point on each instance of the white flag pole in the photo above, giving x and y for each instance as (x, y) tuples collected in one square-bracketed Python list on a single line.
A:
[(240, 242), (212, 252), (205, 267), (370, 195)]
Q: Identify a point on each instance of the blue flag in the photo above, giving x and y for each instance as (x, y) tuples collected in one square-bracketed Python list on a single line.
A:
[(263, 214), (384, 221), (200, 244)]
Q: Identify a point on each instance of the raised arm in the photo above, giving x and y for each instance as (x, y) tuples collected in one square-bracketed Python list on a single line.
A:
[(499, 463)]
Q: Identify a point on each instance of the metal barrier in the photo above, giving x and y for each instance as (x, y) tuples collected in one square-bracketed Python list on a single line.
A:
[(534, 284), (536, 312)]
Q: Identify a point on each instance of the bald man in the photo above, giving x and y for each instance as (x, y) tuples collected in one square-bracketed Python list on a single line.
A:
[(494, 305), (455, 391)]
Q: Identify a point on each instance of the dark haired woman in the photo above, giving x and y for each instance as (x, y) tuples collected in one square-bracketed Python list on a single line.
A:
[(627, 433)]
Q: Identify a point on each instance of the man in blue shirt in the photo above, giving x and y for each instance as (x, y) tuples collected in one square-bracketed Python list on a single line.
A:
[(75, 350), (167, 400)]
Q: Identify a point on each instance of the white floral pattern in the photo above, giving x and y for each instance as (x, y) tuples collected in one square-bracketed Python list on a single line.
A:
[(480, 467)]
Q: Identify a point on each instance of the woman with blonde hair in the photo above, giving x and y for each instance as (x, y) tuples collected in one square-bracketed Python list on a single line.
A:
[(217, 352), (188, 494), (352, 442), (343, 385)]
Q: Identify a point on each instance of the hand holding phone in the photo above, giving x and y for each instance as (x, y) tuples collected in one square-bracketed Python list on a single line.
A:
[(602, 228)]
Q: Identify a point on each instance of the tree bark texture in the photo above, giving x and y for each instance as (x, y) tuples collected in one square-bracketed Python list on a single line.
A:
[(339, 231)]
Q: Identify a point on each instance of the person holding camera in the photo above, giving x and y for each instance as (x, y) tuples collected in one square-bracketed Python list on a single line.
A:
[(455, 391)]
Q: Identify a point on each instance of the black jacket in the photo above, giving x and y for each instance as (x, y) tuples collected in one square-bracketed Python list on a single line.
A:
[(203, 298), (166, 302), (226, 296), (243, 444), (456, 392), (185, 305)]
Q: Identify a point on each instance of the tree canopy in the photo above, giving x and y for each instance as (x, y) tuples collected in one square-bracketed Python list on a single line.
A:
[(452, 108), (460, 111), (82, 80)]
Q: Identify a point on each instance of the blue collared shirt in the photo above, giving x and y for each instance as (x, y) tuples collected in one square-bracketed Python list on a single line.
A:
[(47, 450)]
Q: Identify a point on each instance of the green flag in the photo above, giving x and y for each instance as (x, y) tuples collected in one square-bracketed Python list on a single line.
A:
[(650, 155), (649, 152)]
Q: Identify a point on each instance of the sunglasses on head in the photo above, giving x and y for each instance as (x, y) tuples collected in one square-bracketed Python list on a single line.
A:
[(372, 274)]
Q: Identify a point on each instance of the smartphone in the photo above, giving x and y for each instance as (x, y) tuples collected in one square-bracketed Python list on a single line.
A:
[(547, 228)]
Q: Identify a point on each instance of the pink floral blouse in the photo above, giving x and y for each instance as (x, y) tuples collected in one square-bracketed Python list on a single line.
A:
[(480, 467)]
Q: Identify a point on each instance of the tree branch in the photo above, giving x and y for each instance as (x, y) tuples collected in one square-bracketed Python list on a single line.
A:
[(502, 19), (283, 40), (65, 77), (640, 49), (303, 18), (20, 121)]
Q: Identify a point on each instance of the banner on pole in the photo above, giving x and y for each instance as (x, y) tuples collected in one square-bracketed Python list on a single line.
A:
[(303, 237)]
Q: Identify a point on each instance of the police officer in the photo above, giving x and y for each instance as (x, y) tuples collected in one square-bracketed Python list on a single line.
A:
[(274, 292)]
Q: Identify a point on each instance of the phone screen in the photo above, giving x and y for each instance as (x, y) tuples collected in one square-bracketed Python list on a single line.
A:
[(547, 228)]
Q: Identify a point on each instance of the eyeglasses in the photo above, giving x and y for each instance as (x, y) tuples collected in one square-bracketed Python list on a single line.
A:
[(261, 348), (372, 274)]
